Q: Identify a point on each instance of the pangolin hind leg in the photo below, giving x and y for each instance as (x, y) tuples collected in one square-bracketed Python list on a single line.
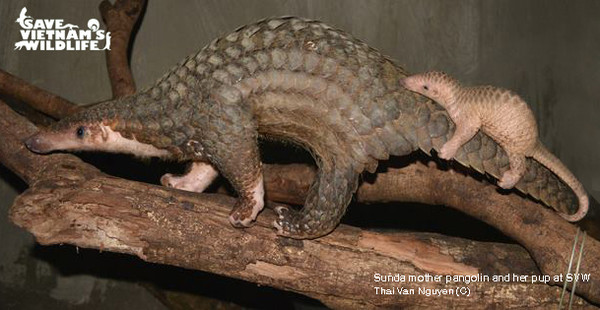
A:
[(199, 176), (325, 204), (517, 169)]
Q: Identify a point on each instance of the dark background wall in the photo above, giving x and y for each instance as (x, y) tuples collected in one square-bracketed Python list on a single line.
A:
[(546, 50)]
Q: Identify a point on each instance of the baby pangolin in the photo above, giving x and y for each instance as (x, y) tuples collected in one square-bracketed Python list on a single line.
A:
[(503, 116)]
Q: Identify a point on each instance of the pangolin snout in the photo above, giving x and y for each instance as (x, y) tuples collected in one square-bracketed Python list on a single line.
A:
[(36, 144)]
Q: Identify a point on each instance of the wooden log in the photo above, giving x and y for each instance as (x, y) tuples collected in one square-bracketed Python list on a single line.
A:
[(188, 230)]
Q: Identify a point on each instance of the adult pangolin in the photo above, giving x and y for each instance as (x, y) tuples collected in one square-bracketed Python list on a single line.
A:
[(289, 79)]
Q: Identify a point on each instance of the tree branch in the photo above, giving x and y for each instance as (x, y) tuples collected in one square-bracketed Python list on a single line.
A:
[(191, 231), (120, 19), (41, 100)]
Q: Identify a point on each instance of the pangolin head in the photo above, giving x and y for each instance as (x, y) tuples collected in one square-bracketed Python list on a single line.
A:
[(435, 85)]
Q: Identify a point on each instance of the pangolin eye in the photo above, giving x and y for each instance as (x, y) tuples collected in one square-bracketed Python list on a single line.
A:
[(425, 87), (81, 132)]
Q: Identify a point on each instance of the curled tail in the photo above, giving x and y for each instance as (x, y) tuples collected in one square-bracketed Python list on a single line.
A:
[(325, 204), (547, 159)]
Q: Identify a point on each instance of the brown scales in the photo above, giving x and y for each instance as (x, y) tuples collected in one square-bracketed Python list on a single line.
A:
[(503, 116)]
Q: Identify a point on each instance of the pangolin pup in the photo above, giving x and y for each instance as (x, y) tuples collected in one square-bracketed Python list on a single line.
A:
[(503, 116), (290, 79)]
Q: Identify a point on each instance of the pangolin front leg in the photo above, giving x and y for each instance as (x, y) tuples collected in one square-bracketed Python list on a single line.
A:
[(197, 179), (464, 132), (230, 142)]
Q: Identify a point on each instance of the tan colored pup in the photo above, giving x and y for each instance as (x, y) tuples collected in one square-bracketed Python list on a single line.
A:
[(503, 116)]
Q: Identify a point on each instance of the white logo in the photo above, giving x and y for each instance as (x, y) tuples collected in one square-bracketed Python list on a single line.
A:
[(55, 35)]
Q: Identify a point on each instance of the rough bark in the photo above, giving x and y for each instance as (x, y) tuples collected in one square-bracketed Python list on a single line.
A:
[(120, 19), (192, 231)]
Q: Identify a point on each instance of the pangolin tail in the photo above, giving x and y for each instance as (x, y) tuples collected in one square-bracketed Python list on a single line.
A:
[(546, 158)]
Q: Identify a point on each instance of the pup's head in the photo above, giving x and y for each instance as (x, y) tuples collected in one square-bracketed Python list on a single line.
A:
[(435, 85)]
